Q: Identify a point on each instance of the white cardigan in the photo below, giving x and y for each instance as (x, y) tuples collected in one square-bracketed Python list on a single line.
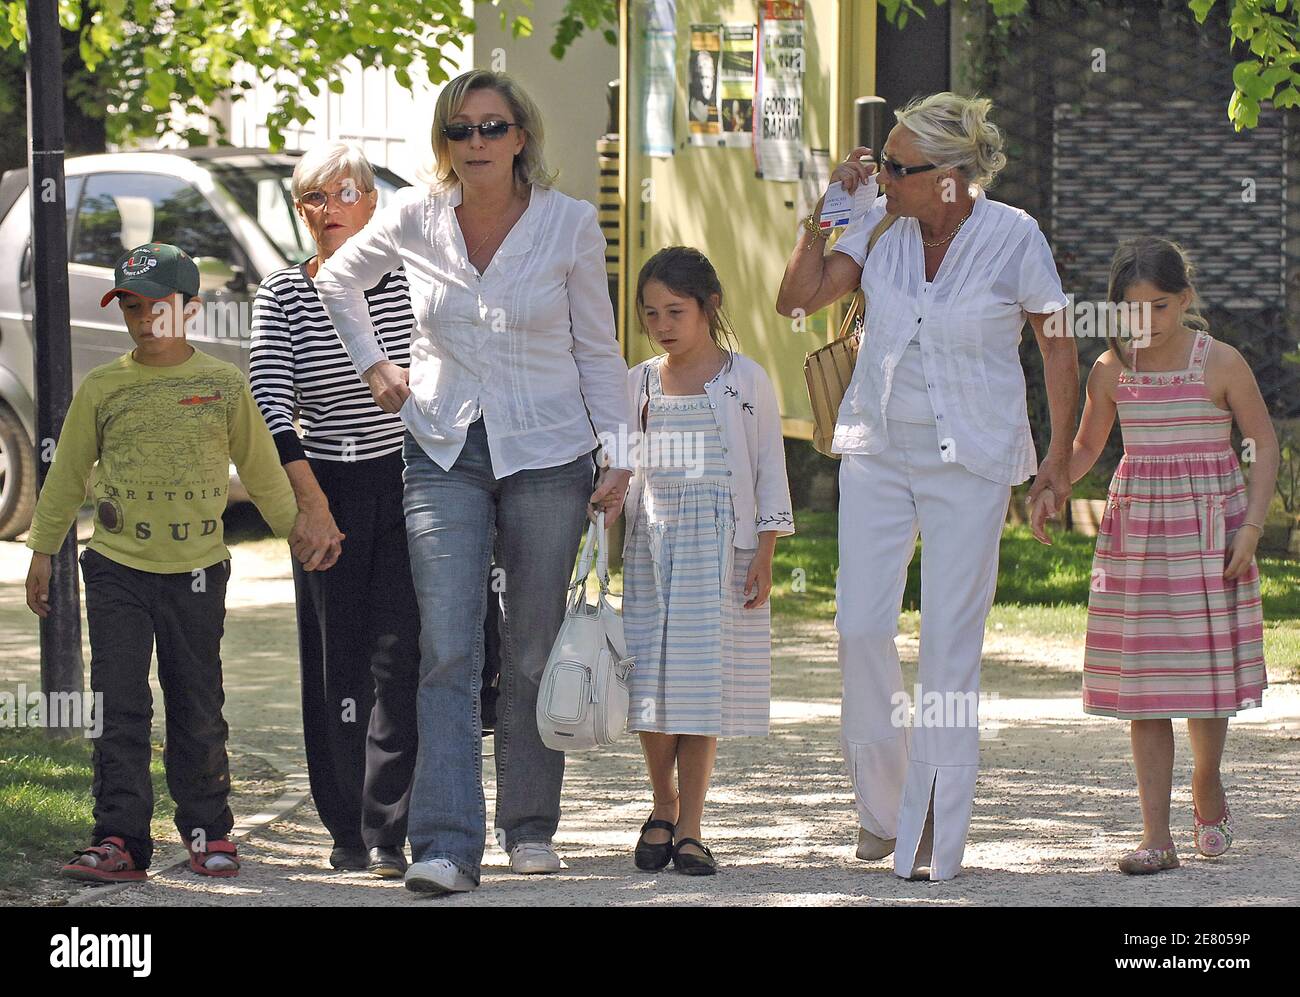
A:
[(529, 344), (744, 404)]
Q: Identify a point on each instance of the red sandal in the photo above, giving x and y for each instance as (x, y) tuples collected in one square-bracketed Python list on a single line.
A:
[(218, 846), (106, 862)]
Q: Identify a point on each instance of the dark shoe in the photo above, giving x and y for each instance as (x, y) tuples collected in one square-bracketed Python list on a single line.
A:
[(693, 865), (350, 859), (387, 863), (651, 857)]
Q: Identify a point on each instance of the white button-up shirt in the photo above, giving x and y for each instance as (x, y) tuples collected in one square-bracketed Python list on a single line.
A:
[(998, 268), (530, 343)]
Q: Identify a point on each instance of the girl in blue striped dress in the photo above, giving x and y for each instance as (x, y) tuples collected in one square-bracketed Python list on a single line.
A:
[(705, 506)]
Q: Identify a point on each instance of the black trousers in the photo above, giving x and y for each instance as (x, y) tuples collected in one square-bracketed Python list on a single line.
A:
[(359, 650), (127, 611)]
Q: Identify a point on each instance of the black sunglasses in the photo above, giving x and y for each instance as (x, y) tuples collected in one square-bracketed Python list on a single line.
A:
[(897, 171), (460, 131)]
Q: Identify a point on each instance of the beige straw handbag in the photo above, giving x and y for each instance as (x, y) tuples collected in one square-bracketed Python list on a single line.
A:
[(828, 370)]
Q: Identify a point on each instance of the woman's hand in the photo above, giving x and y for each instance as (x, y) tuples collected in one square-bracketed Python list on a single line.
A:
[(316, 540), (1040, 509), (852, 172), (611, 490), (388, 385), (1241, 551), (758, 579), (1053, 476)]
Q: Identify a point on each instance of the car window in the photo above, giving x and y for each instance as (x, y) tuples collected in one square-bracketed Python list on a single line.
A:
[(120, 211), (263, 189)]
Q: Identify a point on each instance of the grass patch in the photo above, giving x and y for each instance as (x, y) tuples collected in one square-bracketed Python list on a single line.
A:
[(46, 807), (1042, 591)]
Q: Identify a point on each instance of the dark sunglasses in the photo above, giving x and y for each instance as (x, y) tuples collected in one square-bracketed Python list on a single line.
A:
[(895, 171), (459, 132)]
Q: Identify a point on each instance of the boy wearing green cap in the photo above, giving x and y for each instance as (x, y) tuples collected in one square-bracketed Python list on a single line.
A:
[(162, 424)]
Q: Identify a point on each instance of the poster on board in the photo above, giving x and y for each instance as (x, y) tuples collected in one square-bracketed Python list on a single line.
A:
[(659, 80), (778, 136), (737, 85), (703, 68)]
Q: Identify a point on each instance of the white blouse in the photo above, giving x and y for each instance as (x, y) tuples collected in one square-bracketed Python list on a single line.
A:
[(529, 344), (998, 268)]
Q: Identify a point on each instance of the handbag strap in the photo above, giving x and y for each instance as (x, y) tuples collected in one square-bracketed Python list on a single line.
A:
[(590, 544), (859, 301)]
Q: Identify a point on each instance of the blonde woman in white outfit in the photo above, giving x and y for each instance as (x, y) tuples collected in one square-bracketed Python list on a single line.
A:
[(933, 432)]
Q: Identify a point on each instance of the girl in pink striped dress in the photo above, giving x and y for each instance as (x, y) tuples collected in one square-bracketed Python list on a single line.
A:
[(1175, 625)]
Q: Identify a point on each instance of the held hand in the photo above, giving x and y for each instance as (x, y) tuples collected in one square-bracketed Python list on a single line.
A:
[(758, 580), (851, 172), (38, 584), (389, 385), (315, 539), (1039, 512), (611, 490), (1054, 474), (1241, 552)]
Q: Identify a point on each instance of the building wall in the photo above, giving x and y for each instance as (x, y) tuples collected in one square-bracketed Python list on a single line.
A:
[(711, 199)]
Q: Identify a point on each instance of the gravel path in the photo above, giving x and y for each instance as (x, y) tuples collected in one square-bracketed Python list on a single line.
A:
[(1055, 802)]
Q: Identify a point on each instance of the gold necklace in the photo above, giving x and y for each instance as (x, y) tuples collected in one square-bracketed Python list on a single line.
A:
[(951, 235), (494, 231)]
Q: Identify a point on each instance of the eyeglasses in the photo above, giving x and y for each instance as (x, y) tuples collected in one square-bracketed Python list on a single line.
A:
[(895, 171), (348, 196), (460, 131)]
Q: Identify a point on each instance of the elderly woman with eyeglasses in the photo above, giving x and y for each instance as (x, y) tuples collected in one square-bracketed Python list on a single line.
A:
[(934, 433), (515, 368), (358, 623)]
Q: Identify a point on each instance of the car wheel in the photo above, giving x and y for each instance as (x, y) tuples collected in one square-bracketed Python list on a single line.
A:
[(17, 476)]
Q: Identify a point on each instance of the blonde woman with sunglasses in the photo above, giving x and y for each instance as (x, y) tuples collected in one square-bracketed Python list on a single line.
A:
[(515, 367), (934, 433)]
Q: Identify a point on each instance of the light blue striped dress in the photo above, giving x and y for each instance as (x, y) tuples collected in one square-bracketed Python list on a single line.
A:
[(703, 661)]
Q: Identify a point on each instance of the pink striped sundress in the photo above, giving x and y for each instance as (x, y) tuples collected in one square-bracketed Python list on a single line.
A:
[(1168, 636)]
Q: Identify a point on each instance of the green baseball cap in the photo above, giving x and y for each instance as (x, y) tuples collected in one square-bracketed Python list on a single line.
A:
[(154, 271)]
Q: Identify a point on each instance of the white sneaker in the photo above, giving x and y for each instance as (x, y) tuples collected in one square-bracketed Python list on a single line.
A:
[(532, 857), (437, 876)]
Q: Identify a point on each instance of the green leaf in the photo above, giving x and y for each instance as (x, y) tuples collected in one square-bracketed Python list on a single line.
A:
[(1290, 97)]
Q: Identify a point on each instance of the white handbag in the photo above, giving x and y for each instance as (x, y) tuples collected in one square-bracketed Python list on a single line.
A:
[(583, 699)]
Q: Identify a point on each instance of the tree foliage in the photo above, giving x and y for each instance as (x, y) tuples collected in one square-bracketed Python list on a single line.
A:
[(161, 61), (1267, 31)]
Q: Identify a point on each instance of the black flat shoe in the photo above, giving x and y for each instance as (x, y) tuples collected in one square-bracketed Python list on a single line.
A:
[(387, 863), (349, 859), (651, 857), (689, 864)]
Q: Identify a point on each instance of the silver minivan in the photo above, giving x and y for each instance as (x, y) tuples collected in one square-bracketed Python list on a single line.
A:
[(228, 208)]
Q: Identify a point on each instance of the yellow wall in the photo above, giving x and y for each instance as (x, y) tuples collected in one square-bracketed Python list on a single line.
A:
[(709, 198)]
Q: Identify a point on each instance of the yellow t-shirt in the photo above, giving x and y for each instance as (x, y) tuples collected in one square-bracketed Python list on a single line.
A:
[(164, 439)]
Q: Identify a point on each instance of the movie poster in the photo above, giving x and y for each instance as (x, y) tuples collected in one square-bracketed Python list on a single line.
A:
[(737, 85), (779, 128), (703, 107)]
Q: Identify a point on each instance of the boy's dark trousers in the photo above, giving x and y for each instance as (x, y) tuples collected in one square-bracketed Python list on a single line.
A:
[(127, 610)]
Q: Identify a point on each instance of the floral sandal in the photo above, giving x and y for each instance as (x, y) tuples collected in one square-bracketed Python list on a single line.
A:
[(1145, 861), (106, 862), (220, 848), (1212, 838)]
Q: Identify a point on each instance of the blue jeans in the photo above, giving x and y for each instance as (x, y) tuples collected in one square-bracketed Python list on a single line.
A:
[(455, 520)]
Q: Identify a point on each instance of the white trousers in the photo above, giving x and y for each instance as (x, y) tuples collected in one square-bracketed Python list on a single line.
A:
[(898, 767)]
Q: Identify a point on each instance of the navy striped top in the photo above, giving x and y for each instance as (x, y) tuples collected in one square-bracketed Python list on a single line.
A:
[(299, 368)]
